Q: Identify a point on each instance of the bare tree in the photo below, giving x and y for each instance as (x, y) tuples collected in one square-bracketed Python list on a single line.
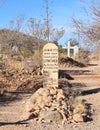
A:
[(15, 38), (89, 28), (17, 23), (47, 20), (56, 34), (42, 29), (14, 41), (38, 29), (52, 34)]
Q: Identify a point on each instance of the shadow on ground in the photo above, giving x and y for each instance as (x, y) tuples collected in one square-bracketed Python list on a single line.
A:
[(64, 74), (90, 91), (14, 123), (8, 97)]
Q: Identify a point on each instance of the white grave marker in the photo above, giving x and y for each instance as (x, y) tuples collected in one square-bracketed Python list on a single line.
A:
[(50, 65)]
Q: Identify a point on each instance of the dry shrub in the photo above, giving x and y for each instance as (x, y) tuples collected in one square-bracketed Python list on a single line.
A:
[(75, 104), (82, 57), (69, 62), (37, 57), (79, 106), (16, 64), (62, 52)]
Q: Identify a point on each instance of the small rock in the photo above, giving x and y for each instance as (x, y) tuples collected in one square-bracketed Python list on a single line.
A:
[(78, 118), (53, 92), (60, 96)]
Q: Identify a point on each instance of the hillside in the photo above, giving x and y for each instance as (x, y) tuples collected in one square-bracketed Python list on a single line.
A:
[(9, 39)]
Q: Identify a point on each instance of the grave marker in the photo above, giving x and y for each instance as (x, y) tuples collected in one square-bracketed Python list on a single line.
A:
[(74, 48), (50, 65)]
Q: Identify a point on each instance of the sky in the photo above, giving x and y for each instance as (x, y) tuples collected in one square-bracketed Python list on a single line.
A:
[(60, 11)]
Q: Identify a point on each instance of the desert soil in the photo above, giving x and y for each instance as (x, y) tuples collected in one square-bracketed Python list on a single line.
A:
[(11, 109)]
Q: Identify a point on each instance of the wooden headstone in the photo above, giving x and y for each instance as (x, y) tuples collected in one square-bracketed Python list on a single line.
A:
[(50, 65)]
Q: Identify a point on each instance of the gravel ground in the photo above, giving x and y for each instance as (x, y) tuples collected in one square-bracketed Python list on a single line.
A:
[(10, 115)]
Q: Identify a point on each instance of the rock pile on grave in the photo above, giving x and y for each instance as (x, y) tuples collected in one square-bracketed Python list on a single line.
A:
[(50, 104)]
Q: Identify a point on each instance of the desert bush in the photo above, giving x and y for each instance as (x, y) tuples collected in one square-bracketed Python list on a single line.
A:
[(82, 57), (38, 57), (79, 106), (62, 52), (69, 62), (75, 105)]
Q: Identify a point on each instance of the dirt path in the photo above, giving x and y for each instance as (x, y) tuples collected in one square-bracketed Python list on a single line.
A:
[(10, 115)]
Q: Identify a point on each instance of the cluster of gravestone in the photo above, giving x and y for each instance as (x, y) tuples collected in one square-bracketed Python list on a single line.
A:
[(50, 103)]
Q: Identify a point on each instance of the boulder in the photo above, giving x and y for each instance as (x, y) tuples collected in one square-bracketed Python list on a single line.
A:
[(50, 116), (38, 101)]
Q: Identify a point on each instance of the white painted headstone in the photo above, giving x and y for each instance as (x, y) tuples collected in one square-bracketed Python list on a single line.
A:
[(50, 65), (68, 49), (76, 50)]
